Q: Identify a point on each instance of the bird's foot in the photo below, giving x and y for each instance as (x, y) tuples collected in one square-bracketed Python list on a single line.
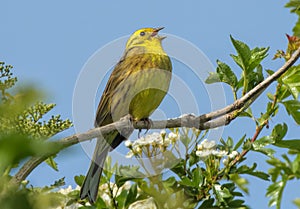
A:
[(148, 122)]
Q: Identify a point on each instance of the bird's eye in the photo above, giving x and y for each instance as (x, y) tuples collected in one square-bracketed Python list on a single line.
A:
[(142, 33)]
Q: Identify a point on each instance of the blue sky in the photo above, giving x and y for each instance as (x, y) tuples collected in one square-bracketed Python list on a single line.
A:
[(49, 42)]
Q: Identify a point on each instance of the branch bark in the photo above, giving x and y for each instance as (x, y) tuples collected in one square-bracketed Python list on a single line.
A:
[(206, 121)]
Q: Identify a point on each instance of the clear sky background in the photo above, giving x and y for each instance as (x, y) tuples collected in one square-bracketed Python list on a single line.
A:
[(48, 43)]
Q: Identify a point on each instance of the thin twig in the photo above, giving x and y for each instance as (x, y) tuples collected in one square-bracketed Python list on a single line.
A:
[(203, 122)]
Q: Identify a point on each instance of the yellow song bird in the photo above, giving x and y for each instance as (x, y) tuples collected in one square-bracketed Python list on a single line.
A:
[(137, 85)]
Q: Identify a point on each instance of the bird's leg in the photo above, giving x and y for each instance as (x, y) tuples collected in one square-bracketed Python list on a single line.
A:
[(148, 122)]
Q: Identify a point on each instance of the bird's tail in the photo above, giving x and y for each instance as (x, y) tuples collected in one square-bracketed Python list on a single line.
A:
[(89, 188)]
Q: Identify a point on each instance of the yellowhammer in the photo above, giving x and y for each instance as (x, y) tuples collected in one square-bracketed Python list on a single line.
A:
[(136, 86)]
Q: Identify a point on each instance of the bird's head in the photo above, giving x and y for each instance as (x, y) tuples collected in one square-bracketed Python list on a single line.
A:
[(145, 37)]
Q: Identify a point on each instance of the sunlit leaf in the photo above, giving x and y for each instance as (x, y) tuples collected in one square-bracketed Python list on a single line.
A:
[(293, 108)]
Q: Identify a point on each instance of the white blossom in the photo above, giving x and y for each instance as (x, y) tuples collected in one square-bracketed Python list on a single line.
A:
[(233, 154), (208, 144), (65, 190), (219, 153), (203, 153), (225, 161), (163, 132), (128, 143)]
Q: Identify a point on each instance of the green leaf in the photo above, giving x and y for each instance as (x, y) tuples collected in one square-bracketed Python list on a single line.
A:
[(226, 75), (293, 144), (296, 166), (79, 180), (14, 148), (257, 55), (291, 80), (274, 192), (127, 173), (100, 204), (213, 77), (50, 161), (279, 131), (254, 77), (293, 108), (179, 168), (244, 53), (260, 146), (281, 168), (240, 182), (197, 177), (229, 142), (207, 204), (58, 183), (170, 182), (121, 198), (239, 143), (246, 113), (297, 202), (294, 5), (244, 169), (221, 193), (283, 93), (131, 197), (185, 181)]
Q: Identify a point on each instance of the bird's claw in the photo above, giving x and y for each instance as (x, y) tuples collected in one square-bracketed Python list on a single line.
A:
[(148, 122)]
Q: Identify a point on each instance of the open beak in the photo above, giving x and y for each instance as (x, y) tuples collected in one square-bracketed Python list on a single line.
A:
[(155, 32)]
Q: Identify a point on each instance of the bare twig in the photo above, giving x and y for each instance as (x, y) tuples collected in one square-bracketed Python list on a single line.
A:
[(203, 122)]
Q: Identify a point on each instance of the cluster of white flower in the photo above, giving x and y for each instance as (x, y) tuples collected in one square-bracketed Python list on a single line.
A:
[(230, 157), (66, 191), (207, 148), (104, 191), (154, 140)]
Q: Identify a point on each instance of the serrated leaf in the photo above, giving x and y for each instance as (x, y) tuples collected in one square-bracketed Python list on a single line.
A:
[(274, 192), (293, 108), (279, 131), (226, 75), (257, 55), (291, 80), (283, 168), (51, 162), (212, 78), (260, 145), (58, 183), (240, 182), (244, 53)]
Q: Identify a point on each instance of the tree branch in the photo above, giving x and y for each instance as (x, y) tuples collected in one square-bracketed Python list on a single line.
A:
[(206, 121)]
